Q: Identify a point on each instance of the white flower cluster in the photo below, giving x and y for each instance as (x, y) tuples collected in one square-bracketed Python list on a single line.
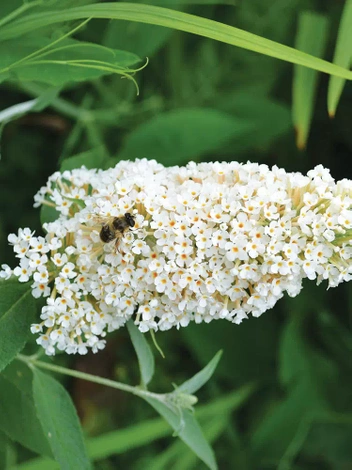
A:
[(210, 241)]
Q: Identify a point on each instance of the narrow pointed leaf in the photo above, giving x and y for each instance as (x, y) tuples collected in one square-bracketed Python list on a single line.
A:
[(175, 20), (135, 436), (342, 57), (143, 351), (312, 37), (190, 431), (197, 381)]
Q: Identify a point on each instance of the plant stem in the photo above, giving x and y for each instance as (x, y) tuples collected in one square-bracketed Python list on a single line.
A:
[(30, 361)]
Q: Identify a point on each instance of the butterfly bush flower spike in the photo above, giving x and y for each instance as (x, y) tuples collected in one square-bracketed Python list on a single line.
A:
[(210, 241)]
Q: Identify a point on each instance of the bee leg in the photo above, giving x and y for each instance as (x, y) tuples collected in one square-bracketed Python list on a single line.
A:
[(117, 245)]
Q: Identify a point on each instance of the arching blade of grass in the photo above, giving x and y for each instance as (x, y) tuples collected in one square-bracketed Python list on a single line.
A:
[(342, 57), (311, 37), (175, 20)]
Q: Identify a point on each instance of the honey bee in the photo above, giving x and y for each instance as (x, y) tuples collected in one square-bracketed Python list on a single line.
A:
[(116, 228)]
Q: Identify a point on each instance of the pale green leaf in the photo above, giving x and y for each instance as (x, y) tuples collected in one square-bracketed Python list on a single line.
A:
[(144, 353), (202, 377), (187, 429), (60, 423)]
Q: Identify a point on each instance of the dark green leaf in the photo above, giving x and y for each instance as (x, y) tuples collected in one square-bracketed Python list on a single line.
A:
[(17, 311), (4, 442), (202, 377), (48, 214), (306, 374), (330, 440), (273, 435), (183, 134), (299, 361), (18, 418), (6, 7), (144, 353), (269, 118), (60, 423), (246, 357)]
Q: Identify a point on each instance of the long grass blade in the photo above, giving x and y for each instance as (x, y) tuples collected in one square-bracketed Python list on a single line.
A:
[(342, 57), (175, 20), (311, 37)]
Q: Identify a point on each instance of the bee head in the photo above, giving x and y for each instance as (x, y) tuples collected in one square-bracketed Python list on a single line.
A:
[(130, 219)]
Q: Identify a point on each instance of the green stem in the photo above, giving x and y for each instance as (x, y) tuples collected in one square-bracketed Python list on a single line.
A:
[(31, 361), (40, 52), (65, 107)]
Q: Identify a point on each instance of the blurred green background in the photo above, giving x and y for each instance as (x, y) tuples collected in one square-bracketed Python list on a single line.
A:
[(201, 100)]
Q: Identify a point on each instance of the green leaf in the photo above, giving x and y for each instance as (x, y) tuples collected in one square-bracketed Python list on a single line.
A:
[(272, 436), (48, 214), (7, 7), (66, 61), (135, 436), (177, 136), (188, 430), (143, 39), (329, 439), (269, 118), (4, 447), (144, 353), (17, 311), (213, 417), (202, 377), (342, 57), (299, 361), (176, 20), (18, 418), (311, 37), (60, 423), (90, 159), (179, 457), (172, 3), (306, 375)]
